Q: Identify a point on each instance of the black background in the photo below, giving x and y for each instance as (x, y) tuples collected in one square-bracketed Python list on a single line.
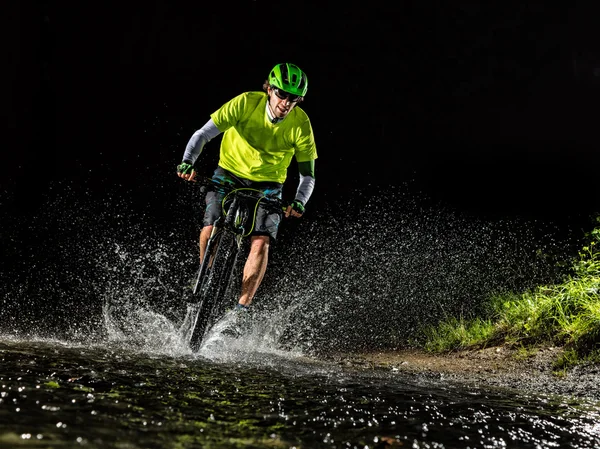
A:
[(489, 109)]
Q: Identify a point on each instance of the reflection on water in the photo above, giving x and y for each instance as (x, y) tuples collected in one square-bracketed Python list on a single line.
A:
[(57, 394)]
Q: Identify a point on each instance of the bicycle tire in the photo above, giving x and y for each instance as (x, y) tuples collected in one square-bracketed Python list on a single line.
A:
[(213, 285), (202, 278), (210, 251)]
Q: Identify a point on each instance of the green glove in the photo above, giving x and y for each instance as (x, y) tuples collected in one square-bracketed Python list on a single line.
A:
[(185, 168), (298, 206)]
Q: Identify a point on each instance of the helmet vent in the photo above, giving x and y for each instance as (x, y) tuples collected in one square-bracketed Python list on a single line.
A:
[(302, 82)]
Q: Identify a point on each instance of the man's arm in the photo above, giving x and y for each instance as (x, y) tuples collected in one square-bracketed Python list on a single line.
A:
[(198, 140), (307, 181)]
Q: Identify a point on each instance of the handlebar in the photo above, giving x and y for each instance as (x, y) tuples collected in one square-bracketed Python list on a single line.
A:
[(245, 192)]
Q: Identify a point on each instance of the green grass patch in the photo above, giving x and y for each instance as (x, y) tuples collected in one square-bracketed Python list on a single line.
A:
[(458, 333), (565, 314)]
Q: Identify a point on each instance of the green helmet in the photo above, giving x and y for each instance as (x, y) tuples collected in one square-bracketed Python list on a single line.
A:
[(289, 78)]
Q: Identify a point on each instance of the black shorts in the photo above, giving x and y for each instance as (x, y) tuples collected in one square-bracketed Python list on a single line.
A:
[(267, 221)]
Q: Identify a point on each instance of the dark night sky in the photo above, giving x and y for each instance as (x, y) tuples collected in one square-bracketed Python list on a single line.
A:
[(492, 109)]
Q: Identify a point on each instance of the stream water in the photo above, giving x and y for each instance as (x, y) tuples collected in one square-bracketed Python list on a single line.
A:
[(241, 393)]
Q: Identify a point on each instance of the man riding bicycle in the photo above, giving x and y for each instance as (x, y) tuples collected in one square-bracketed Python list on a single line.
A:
[(263, 131)]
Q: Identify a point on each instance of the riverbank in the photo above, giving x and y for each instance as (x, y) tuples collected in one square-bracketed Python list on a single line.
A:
[(531, 370)]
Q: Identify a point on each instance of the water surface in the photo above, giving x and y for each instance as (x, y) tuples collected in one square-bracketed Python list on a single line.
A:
[(61, 394)]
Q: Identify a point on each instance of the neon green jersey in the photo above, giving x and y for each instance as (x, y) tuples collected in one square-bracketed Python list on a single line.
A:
[(254, 148)]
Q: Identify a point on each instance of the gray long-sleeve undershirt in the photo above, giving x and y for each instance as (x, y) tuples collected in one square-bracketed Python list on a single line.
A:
[(198, 140), (305, 188), (209, 131)]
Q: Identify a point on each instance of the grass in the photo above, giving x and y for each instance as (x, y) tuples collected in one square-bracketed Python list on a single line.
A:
[(565, 314)]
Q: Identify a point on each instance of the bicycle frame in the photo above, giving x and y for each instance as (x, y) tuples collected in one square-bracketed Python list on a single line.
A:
[(228, 234)]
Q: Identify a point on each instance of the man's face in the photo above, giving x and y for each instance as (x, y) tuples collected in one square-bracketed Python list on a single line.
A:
[(281, 102)]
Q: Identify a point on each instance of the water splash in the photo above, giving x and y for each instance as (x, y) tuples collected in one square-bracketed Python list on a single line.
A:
[(143, 330), (372, 276), (366, 272), (235, 338)]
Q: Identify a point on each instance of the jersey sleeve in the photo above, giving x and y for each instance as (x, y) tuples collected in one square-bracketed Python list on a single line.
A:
[(230, 113), (306, 149)]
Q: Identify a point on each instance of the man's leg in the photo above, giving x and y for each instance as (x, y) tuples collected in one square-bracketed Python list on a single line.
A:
[(204, 236), (255, 267)]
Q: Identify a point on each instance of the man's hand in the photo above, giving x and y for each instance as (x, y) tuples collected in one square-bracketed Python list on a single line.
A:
[(296, 209), (186, 171)]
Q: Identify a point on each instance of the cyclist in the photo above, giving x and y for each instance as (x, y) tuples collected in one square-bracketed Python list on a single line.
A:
[(262, 133)]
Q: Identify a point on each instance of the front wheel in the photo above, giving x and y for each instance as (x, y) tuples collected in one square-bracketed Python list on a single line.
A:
[(211, 285)]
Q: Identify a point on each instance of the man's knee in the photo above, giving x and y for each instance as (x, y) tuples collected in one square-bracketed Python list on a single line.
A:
[(259, 242)]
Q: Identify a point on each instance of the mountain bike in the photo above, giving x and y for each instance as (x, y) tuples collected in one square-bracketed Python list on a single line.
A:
[(225, 246)]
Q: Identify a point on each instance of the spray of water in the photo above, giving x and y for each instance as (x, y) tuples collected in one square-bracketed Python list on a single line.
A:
[(371, 270), (366, 272)]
